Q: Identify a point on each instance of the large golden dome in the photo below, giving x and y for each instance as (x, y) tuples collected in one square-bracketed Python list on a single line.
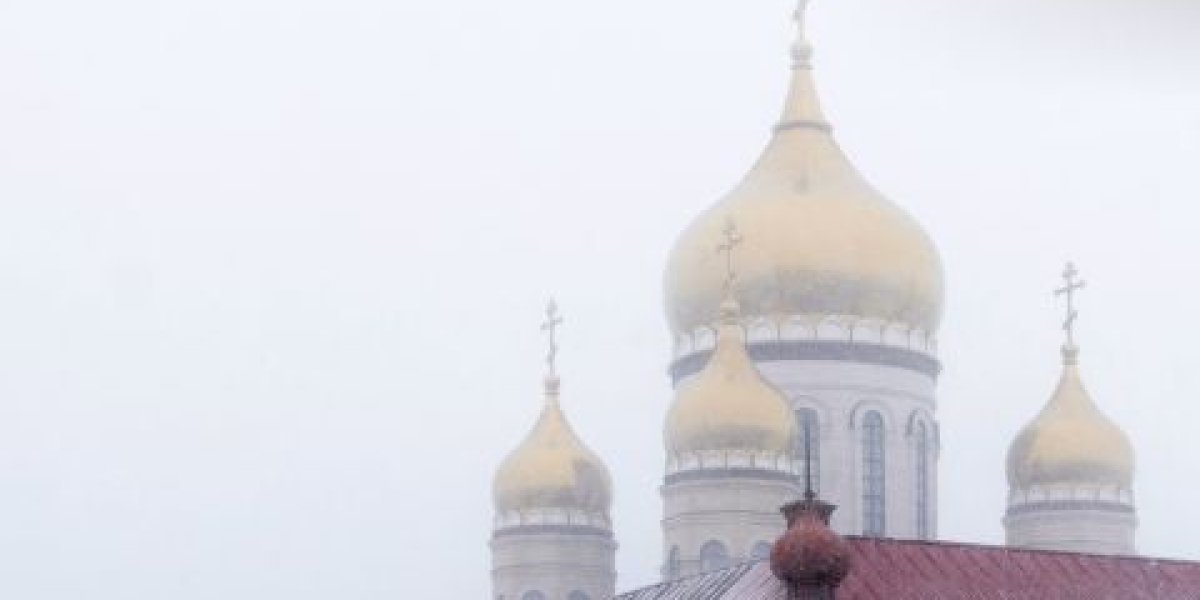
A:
[(728, 407), (821, 240), (1070, 442), (552, 469)]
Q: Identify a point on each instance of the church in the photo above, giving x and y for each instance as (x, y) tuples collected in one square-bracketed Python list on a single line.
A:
[(804, 308)]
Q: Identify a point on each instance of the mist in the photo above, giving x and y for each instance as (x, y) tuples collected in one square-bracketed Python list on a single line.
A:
[(273, 271)]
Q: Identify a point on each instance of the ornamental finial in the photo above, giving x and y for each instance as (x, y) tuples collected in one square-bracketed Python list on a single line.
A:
[(801, 49), (1073, 285)]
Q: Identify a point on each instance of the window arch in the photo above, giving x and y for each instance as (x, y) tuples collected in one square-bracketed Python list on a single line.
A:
[(761, 551), (808, 425), (874, 478), (713, 556), (578, 595), (922, 483), (533, 595)]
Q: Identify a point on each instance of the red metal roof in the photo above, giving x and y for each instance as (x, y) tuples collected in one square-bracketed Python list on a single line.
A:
[(883, 569)]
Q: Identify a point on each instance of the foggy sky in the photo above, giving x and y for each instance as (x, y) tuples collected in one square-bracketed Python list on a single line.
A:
[(273, 271)]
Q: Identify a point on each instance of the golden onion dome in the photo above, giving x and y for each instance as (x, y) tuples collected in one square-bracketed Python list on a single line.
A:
[(552, 468), (825, 242), (1070, 442), (728, 406)]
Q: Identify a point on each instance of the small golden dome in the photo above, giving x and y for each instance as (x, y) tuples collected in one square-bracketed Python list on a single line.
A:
[(824, 241), (729, 407), (552, 469), (1070, 442)]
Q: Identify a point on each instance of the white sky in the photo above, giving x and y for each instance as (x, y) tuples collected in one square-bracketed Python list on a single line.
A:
[(272, 271)]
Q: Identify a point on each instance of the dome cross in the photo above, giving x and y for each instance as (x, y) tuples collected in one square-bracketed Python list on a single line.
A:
[(550, 326), (732, 240), (801, 49), (1073, 285)]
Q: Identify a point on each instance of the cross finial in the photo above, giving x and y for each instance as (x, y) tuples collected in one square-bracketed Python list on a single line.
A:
[(800, 14), (1073, 284), (550, 326), (801, 50), (731, 242)]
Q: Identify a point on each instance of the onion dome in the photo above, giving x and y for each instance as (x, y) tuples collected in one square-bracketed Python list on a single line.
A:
[(810, 556), (552, 469), (825, 241), (728, 407), (1070, 442)]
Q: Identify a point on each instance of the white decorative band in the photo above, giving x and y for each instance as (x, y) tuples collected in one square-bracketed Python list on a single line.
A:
[(551, 516), (1097, 493), (874, 354), (729, 459), (533, 530), (841, 328), (1067, 505)]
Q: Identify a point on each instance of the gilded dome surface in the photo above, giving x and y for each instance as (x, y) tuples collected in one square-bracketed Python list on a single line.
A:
[(821, 240), (1070, 442), (728, 406), (552, 468)]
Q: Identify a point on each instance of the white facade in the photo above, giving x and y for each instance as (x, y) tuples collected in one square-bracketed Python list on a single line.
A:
[(843, 394)]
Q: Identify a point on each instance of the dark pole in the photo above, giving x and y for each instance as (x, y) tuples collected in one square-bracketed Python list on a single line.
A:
[(808, 489)]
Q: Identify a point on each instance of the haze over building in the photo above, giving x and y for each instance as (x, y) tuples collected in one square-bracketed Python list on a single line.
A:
[(805, 308)]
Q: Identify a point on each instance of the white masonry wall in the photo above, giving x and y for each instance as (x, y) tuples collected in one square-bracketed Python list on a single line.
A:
[(1086, 519), (555, 563), (842, 393), (738, 510)]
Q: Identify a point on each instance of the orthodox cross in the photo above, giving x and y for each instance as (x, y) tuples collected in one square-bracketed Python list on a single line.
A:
[(801, 50), (798, 16), (732, 240), (1074, 284), (550, 326)]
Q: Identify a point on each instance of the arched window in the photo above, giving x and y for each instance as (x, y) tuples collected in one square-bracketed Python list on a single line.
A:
[(578, 595), (533, 595), (761, 550), (922, 449), (873, 499), (809, 427), (713, 556), (671, 569)]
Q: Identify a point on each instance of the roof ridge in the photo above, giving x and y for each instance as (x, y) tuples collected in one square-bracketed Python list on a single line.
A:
[(1002, 548)]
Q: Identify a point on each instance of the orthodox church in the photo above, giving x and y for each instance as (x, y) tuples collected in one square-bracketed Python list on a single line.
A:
[(804, 307)]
